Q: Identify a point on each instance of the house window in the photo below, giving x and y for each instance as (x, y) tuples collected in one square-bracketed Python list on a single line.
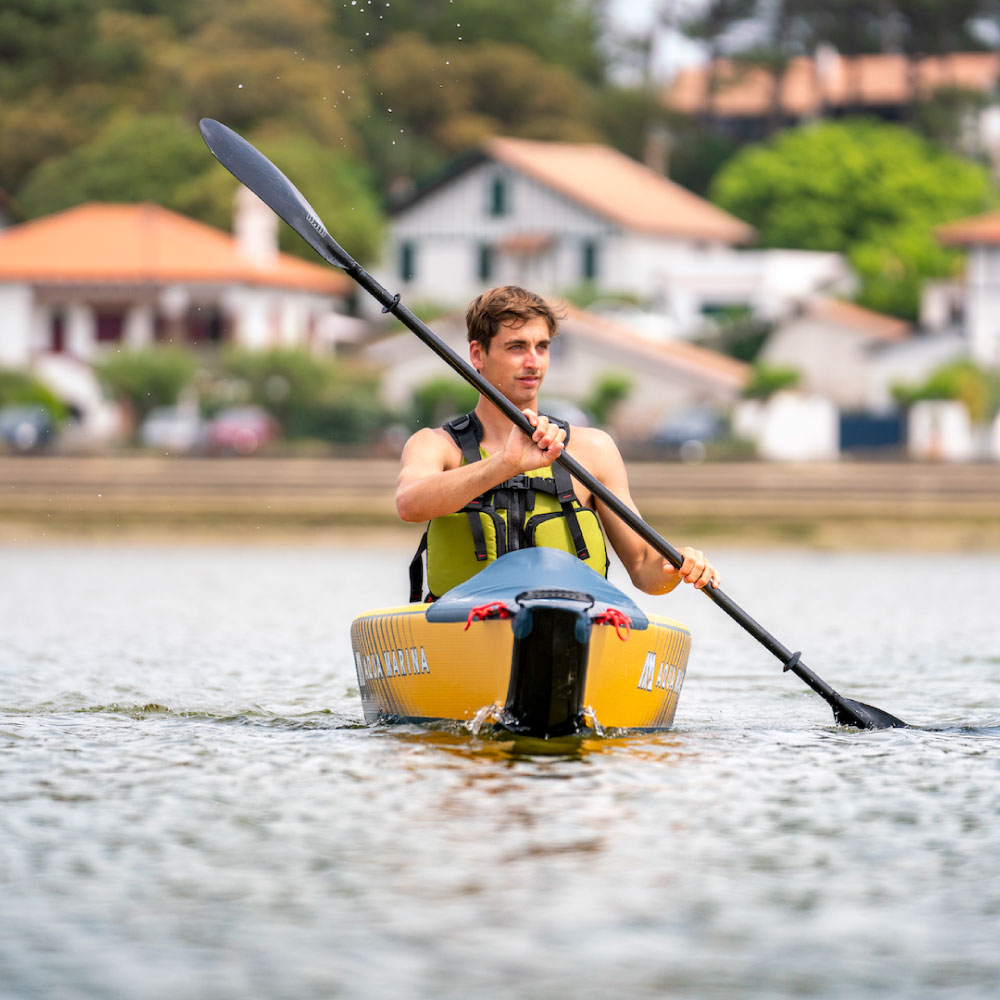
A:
[(109, 326), (407, 261), (588, 260), (485, 262), (499, 195), (57, 332)]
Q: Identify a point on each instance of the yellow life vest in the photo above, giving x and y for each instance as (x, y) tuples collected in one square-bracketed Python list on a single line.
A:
[(536, 508)]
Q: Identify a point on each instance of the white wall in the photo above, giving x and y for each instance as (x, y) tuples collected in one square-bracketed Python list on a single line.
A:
[(790, 427), (830, 358), (982, 315), (15, 325), (940, 430)]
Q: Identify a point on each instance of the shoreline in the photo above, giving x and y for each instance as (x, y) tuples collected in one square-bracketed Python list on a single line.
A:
[(337, 502)]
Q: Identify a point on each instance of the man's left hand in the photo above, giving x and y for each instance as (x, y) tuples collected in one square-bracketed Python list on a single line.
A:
[(696, 569)]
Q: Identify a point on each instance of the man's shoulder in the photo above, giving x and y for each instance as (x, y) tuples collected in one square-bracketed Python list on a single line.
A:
[(430, 441), (591, 437)]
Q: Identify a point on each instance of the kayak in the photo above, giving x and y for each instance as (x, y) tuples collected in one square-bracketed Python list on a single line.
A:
[(537, 643)]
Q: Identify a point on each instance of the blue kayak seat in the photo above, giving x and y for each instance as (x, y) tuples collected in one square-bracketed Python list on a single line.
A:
[(533, 569)]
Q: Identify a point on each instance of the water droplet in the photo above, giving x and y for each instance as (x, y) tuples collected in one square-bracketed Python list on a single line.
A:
[(240, 85)]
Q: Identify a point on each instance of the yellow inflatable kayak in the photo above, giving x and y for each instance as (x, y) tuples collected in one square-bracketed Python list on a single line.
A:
[(537, 643)]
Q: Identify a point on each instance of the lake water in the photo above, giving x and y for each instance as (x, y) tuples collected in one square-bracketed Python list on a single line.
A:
[(191, 807)]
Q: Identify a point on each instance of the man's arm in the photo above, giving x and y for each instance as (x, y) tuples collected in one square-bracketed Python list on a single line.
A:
[(432, 481), (646, 567)]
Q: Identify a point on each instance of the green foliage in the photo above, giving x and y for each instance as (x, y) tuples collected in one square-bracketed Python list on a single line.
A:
[(610, 390), (869, 190), (133, 159), (310, 396), (454, 97), (738, 333), (17, 388), (340, 190), (944, 117), (99, 99), (145, 379), (626, 115), (976, 387), (697, 156), (440, 399), (565, 33), (766, 380), (163, 159)]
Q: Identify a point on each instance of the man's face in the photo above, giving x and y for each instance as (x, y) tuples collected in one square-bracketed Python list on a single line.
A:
[(517, 360)]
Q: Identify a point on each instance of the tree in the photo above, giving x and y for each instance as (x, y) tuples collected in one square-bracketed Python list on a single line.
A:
[(312, 397), (335, 184), (134, 159), (147, 379), (565, 33), (163, 159), (977, 388), (262, 66), (432, 90), (869, 190)]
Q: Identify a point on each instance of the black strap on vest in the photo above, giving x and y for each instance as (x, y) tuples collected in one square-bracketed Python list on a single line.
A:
[(467, 433)]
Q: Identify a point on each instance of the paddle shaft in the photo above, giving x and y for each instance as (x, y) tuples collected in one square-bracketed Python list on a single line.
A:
[(391, 304)]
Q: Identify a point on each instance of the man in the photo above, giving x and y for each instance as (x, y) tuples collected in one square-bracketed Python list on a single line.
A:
[(486, 487)]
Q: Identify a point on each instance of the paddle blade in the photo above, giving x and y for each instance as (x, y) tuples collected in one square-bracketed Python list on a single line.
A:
[(248, 165), (856, 713)]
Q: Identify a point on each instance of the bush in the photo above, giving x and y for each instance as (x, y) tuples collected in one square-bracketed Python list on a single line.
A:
[(766, 380), (148, 378), (965, 381), (311, 397), (441, 398), (610, 390), (20, 389)]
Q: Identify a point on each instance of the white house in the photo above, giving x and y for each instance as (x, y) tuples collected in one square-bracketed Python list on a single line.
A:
[(980, 236), (98, 276), (842, 352), (666, 377), (552, 216)]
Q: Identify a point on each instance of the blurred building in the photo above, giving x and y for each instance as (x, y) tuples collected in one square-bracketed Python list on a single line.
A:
[(980, 288), (664, 378), (102, 276), (748, 101), (834, 346), (555, 216)]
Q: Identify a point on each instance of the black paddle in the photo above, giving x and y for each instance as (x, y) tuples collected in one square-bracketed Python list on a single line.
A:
[(257, 172)]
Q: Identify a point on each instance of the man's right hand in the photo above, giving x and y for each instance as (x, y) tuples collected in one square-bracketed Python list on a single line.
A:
[(540, 450)]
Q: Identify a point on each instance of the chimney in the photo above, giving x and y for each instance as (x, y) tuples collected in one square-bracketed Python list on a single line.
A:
[(656, 148), (255, 227)]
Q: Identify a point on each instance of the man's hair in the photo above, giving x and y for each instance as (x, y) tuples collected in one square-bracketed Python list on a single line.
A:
[(506, 304)]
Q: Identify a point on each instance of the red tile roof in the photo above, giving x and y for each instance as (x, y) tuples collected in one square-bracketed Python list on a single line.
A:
[(674, 354), (979, 229), (833, 81), (855, 317), (145, 243), (618, 188)]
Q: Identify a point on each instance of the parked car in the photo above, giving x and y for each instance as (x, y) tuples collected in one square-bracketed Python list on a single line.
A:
[(26, 429), (172, 428), (241, 430)]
